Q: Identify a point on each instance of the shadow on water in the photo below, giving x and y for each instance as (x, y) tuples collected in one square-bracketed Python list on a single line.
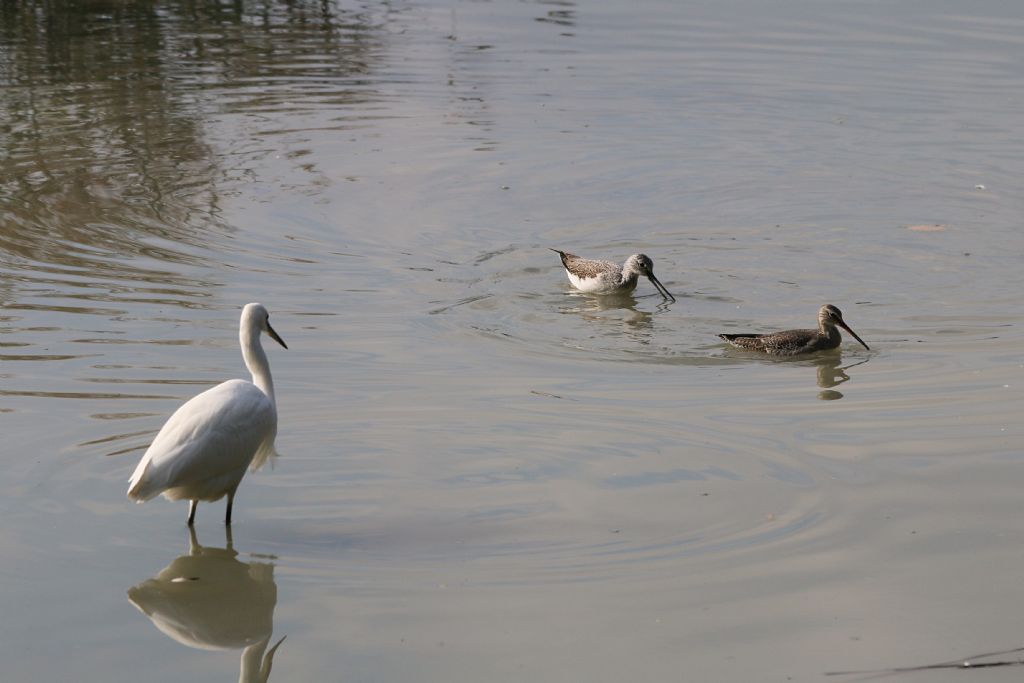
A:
[(209, 600)]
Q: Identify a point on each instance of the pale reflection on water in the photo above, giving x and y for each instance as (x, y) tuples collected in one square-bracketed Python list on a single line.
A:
[(614, 315), (210, 600)]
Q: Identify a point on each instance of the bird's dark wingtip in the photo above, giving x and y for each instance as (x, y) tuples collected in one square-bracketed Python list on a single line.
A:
[(737, 337)]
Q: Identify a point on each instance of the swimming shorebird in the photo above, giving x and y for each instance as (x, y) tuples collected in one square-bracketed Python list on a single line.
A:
[(794, 342), (605, 277)]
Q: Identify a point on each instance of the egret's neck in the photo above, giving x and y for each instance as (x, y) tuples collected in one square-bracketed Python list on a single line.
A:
[(256, 361)]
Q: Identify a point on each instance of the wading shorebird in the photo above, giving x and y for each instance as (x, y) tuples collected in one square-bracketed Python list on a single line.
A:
[(794, 342), (605, 277), (204, 448)]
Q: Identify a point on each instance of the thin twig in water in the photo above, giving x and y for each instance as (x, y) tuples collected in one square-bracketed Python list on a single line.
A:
[(965, 663)]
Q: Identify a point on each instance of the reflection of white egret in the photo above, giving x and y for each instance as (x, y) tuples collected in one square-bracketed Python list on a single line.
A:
[(210, 600), (203, 450)]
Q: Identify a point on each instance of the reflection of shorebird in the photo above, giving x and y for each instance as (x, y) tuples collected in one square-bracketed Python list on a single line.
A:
[(793, 342), (830, 374), (209, 600), (203, 450), (616, 315), (605, 277)]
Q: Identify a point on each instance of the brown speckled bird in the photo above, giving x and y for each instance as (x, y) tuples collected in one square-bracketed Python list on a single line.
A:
[(794, 342), (605, 277)]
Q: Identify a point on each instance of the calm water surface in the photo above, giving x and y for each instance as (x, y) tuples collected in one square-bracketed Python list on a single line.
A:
[(486, 476)]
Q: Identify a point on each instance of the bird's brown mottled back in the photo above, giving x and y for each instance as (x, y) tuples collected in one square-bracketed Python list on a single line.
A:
[(585, 268)]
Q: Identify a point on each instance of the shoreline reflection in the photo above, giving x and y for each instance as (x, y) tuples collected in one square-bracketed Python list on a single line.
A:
[(209, 600)]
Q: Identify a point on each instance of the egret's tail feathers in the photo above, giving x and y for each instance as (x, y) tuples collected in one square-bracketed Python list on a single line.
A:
[(140, 490), (266, 453)]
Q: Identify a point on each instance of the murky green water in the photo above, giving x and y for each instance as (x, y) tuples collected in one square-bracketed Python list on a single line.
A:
[(484, 475)]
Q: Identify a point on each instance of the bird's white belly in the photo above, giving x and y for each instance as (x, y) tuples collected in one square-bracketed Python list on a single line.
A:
[(599, 284)]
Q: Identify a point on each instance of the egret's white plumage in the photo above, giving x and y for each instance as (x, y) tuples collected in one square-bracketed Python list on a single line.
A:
[(203, 450)]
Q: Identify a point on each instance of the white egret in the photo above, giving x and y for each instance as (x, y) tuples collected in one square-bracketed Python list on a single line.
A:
[(203, 450)]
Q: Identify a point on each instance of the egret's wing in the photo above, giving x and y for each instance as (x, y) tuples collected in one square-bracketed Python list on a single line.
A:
[(214, 433)]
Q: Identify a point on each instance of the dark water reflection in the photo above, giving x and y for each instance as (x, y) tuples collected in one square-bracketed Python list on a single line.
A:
[(110, 113), (210, 600)]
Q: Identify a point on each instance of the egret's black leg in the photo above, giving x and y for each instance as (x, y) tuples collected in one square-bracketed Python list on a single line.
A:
[(192, 505), (227, 515)]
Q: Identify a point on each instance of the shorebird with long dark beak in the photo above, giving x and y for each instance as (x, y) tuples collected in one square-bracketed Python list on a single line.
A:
[(794, 342), (605, 277)]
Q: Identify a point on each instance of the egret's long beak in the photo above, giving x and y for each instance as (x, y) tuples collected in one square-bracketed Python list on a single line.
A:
[(664, 292), (847, 328), (275, 337)]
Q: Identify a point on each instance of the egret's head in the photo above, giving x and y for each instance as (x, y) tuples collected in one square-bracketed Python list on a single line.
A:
[(256, 317)]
